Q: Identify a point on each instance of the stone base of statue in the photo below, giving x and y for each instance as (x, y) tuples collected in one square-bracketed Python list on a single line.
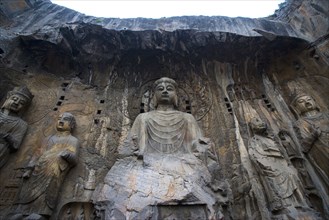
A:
[(157, 187)]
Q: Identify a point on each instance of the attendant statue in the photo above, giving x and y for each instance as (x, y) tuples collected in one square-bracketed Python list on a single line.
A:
[(12, 127), (279, 179), (312, 129), (44, 175), (164, 161), (296, 158)]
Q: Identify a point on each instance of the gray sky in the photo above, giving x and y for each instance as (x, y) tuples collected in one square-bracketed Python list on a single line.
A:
[(169, 8)]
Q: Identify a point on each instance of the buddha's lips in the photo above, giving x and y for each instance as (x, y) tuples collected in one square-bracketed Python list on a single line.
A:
[(14, 105), (308, 104)]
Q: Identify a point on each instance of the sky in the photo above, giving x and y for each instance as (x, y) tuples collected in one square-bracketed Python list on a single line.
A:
[(170, 8)]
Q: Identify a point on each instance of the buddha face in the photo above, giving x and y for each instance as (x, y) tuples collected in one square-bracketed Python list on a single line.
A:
[(305, 104), (65, 122), (15, 103), (165, 93), (257, 125)]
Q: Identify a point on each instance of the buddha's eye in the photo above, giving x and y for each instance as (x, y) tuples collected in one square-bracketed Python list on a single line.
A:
[(170, 88), (160, 88)]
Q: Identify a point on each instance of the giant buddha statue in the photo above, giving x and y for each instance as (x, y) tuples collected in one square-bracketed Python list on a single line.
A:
[(162, 165)]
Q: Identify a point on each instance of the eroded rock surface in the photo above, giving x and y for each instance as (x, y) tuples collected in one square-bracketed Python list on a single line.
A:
[(227, 69)]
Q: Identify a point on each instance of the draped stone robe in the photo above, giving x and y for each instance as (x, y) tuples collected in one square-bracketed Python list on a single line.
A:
[(16, 128), (316, 148), (39, 192), (167, 171), (279, 179), (166, 133)]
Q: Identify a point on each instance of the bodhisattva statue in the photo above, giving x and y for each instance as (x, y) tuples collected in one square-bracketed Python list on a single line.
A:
[(44, 175), (12, 127), (162, 162), (279, 179), (313, 132)]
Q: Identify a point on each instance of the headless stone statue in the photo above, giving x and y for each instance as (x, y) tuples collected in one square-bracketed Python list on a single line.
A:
[(313, 132), (43, 179), (12, 127), (279, 179), (162, 162)]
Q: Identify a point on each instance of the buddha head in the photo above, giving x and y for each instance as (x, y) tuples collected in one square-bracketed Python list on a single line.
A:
[(17, 99), (257, 125), (303, 103), (165, 92), (65, 122)]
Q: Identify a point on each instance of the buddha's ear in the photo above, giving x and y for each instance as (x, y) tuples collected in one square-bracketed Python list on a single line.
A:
[(72, 126), (176, 101), (155, 101)]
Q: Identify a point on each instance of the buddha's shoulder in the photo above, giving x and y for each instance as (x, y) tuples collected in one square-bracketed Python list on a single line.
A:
[(156, 112)]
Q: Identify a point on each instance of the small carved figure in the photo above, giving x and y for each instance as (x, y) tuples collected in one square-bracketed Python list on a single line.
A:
[(43, 179), (12, 127), (280, 181), (164, 160), (313, 132)]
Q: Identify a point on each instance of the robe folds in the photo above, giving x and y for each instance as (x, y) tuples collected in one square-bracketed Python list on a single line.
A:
[(39, 192)]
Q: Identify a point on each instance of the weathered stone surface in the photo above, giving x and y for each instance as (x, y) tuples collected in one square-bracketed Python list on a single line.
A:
[(310, 18), (227, 69), (24, 22)]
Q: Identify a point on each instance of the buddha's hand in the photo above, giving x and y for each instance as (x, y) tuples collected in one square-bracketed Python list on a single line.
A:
[(316, 131), (3, 138), (202, 145), (3, 135), (310, 131), (27, 174), (134, 139), (136, 150), (9, 139), (66, 155), (205, 141)]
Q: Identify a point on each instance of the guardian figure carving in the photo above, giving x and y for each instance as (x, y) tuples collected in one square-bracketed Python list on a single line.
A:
[(12, 127)]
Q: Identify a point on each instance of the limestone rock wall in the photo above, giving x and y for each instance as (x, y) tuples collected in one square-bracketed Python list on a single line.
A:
[(309, 17), (102, 69)]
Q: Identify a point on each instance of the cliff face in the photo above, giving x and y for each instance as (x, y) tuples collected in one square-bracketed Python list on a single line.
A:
[(229, 70), (310, 18)]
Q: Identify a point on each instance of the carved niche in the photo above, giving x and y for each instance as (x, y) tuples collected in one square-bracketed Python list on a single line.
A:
[(163, 166)]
